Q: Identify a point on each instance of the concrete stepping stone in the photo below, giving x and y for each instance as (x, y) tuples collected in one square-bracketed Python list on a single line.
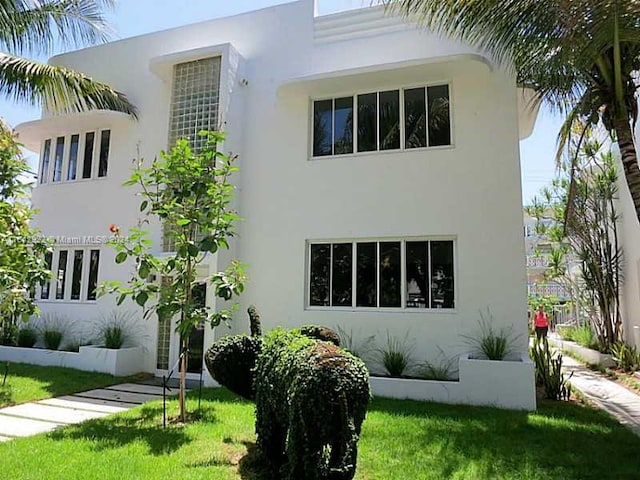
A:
[(48, 413), (23, 427), (155, 390), (117, 396), (85, 404)]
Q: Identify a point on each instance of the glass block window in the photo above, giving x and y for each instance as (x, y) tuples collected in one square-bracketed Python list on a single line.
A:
[(163, 347), (195, 99)]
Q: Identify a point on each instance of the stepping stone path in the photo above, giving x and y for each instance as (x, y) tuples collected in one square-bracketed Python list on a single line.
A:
[(609, 396), (46, 415)]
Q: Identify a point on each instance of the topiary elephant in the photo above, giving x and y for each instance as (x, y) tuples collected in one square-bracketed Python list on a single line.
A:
[(311, 399)]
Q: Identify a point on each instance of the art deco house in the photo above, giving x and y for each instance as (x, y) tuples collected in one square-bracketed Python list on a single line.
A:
[(379, 184)]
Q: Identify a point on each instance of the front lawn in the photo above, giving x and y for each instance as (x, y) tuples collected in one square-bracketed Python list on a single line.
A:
[(26, 383), (401, 440)]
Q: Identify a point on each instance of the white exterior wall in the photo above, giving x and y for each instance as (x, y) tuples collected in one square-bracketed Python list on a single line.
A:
[(630, 233), (469, 191)]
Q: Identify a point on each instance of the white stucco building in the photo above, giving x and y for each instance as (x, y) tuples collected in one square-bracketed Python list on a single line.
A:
[(379, 184)]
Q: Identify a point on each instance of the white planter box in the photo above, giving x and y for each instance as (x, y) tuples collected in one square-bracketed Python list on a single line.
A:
[(499, 383), (121, 362), (592, 357), (503, 384), (39, 356), (415, 389)]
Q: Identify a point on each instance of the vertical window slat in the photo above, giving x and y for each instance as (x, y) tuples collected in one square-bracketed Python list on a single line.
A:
[(439, 116), (46, 153), (389, 120), (94, 263), (87, 162), (322, 128), (103, 162), (58, 159), (76, 279), (46, 287), (61, 276), (341, 274), (319, 273), (73, 157), (367, 122)]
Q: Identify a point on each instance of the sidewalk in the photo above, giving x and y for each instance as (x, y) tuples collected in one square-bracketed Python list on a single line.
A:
[(46, 415), (606, 394)]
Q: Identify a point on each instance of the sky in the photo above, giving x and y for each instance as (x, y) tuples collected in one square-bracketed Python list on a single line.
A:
[(137, 17)]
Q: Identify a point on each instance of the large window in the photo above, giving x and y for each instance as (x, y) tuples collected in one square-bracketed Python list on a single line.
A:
[(378, 121), (75, 276), (409, 274), (63, 154)]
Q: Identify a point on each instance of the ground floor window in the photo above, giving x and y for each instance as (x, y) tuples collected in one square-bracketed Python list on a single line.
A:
[(75, 274), (402, 273)]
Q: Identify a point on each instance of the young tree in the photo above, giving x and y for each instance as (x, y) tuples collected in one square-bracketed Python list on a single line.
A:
[(35, 27), (589, 233), (22, 253), (582, 56), (190, 193)]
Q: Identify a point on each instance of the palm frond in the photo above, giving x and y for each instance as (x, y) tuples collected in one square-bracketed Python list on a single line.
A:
[(58, 89), (35, 27)]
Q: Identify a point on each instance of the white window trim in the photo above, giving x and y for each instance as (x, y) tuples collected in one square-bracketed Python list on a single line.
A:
[(84, 276), (402, 148), (97, 140), (403, 308)]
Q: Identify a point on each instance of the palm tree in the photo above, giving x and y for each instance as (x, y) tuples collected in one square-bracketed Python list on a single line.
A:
[(581, 56), (36, 27)]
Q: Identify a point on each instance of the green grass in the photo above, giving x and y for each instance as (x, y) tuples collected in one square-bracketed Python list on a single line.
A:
[(26, 383), (400, 440)]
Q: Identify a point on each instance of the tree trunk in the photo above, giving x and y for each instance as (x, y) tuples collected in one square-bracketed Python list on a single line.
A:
[(629, 157), (183, 379)]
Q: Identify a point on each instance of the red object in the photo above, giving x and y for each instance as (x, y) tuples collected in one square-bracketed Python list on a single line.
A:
[(113, 228), (541, 320)]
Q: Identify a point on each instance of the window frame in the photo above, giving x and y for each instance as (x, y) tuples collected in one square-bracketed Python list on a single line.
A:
[(403, 274), (68, 283), (377, 92), (66, 157)]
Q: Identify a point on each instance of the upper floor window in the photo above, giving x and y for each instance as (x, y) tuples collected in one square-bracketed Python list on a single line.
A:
[(378, 121), (382, 274), (62, 160)]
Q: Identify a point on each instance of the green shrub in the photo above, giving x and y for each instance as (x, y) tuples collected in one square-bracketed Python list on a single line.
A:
[(359, 347), (52, 338), (549, 374), (567, 332), (311, 400), (442, 368), (318, 332), (113, 336), (115, 329), (626, 357), (74, 345), (231, 361), (583, 335), (395, 356), (8, 333), (27, 337), (491, 344)]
